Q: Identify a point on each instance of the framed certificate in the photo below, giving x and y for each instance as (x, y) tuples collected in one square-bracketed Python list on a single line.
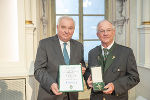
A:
[(98, 84), (70, 78)]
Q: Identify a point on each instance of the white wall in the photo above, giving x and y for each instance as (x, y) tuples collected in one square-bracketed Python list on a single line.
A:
[(12, 39), (9, 31), (16, 46), (142, 90)]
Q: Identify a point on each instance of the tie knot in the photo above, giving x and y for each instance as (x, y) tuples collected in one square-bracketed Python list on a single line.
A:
[(105, 50), (65, 44), (105, 53)]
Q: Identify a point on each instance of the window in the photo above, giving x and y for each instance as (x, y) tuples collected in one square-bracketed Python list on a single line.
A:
[(86, 13)]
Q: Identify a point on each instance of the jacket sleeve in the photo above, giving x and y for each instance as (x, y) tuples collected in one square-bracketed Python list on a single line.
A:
[(40, 68), (131, 78), (88, 72), (82, 60)]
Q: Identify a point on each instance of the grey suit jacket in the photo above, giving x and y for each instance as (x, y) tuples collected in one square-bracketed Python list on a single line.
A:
[(120, 68), (49, 57)]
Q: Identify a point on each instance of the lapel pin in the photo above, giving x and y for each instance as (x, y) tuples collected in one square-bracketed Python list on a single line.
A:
[(113, 57)]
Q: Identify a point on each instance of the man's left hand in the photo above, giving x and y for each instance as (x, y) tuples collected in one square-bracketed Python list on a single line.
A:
[(83, 70), (109, 87)]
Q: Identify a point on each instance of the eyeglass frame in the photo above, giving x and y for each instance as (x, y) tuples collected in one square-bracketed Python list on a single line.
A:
[(105, 31)]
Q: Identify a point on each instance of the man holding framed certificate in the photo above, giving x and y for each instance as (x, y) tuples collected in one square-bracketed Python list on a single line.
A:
[(60, 59)]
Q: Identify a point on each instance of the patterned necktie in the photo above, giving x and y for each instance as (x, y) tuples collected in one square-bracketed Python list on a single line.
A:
[(105, 53), (65, 54)]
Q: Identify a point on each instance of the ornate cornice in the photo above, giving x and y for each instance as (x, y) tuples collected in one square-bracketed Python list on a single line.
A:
[(28, 22), (146, 23)]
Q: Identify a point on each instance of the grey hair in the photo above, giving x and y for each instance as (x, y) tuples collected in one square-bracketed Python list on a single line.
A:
[(113, 26), (65, 17)]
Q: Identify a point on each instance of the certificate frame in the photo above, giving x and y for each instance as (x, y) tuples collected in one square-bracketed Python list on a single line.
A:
[(70, 78)]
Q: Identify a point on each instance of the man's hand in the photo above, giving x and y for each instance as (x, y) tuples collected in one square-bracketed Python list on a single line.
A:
[(54, 88), (109, 87), (89, 81), (83, 69)]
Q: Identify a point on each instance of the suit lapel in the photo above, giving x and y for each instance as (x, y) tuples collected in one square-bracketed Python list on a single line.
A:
[(100, 58), (111, 57), (58, 50), (72, 48)]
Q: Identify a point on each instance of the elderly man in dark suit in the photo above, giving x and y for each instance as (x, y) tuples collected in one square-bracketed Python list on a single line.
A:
[(50, 56), (119, 69)]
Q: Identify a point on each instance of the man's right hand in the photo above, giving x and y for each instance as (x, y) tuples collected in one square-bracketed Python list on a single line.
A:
[(54, 88), (89, 81)]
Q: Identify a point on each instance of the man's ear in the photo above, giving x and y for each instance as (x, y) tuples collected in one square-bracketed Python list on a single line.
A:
[(114, 31), (57, 28), (97, 34)]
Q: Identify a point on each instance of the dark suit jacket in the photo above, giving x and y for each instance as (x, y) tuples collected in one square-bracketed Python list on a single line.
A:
[(49, 57), (120, 68)]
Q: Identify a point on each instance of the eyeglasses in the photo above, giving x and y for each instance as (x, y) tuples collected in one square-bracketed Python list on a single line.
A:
[(104, 31)]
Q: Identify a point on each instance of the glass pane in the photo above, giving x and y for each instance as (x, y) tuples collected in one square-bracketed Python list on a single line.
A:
[(76, 32), (67, 6), (93, 6), (89, 26), (88, 45)]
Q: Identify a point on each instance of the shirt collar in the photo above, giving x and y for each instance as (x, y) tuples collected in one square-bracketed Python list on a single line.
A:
[(61, 42), (108, 46)]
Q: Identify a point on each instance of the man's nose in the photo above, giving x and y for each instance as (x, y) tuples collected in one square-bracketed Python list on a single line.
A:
[(66, 30), (105, 32)]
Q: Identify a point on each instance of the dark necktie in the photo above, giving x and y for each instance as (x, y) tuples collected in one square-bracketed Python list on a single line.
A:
[(105, 53), (65, 54)]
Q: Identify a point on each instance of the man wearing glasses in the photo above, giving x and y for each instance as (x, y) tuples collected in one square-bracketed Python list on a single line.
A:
[(119, 69)]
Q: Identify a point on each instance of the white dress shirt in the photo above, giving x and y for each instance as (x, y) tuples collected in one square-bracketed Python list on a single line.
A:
[(107, 48), (67, 46)]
